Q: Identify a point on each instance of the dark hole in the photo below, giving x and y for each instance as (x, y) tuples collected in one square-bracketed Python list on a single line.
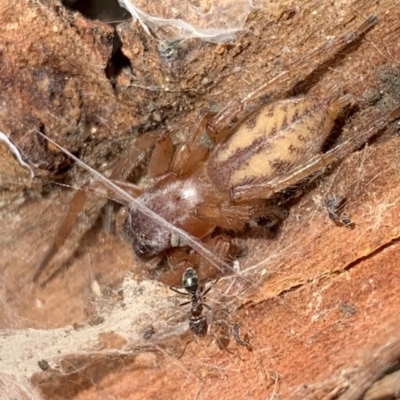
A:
[(118, 60), (104, 10), (110, 12)]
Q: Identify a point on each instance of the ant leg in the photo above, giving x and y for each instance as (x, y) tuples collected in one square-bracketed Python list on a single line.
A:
[(207, 306), (184, 349), (176, 290), (185, 303), (280, 86), (267, 189)]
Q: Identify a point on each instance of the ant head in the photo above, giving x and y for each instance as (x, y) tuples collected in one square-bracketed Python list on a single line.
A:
[(190, 280)]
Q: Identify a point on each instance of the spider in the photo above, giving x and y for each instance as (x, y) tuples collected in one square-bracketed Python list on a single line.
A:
[(257, 151)]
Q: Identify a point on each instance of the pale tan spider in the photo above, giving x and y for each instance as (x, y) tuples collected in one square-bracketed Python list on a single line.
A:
[(258, 151)]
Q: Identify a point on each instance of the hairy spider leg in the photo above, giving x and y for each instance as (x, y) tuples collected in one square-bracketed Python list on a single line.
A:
[(189, 154), (159, 165), (237, 214), (220, 126)]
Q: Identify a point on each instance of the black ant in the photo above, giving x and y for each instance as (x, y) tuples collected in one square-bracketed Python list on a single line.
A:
[(198, 323), (190, 282)]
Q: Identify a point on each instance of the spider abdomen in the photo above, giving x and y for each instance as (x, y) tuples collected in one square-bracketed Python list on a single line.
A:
[(273, 141)]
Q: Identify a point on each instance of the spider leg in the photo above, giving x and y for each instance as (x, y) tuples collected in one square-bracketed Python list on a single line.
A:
[(300, 69), (159, 164), (395, 114), (138, 147), (161, 156), (75, 208), (212, 212), (231, 216), (189, 154), (78, 200), (280, 85), (222, 246), (134, 190)]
